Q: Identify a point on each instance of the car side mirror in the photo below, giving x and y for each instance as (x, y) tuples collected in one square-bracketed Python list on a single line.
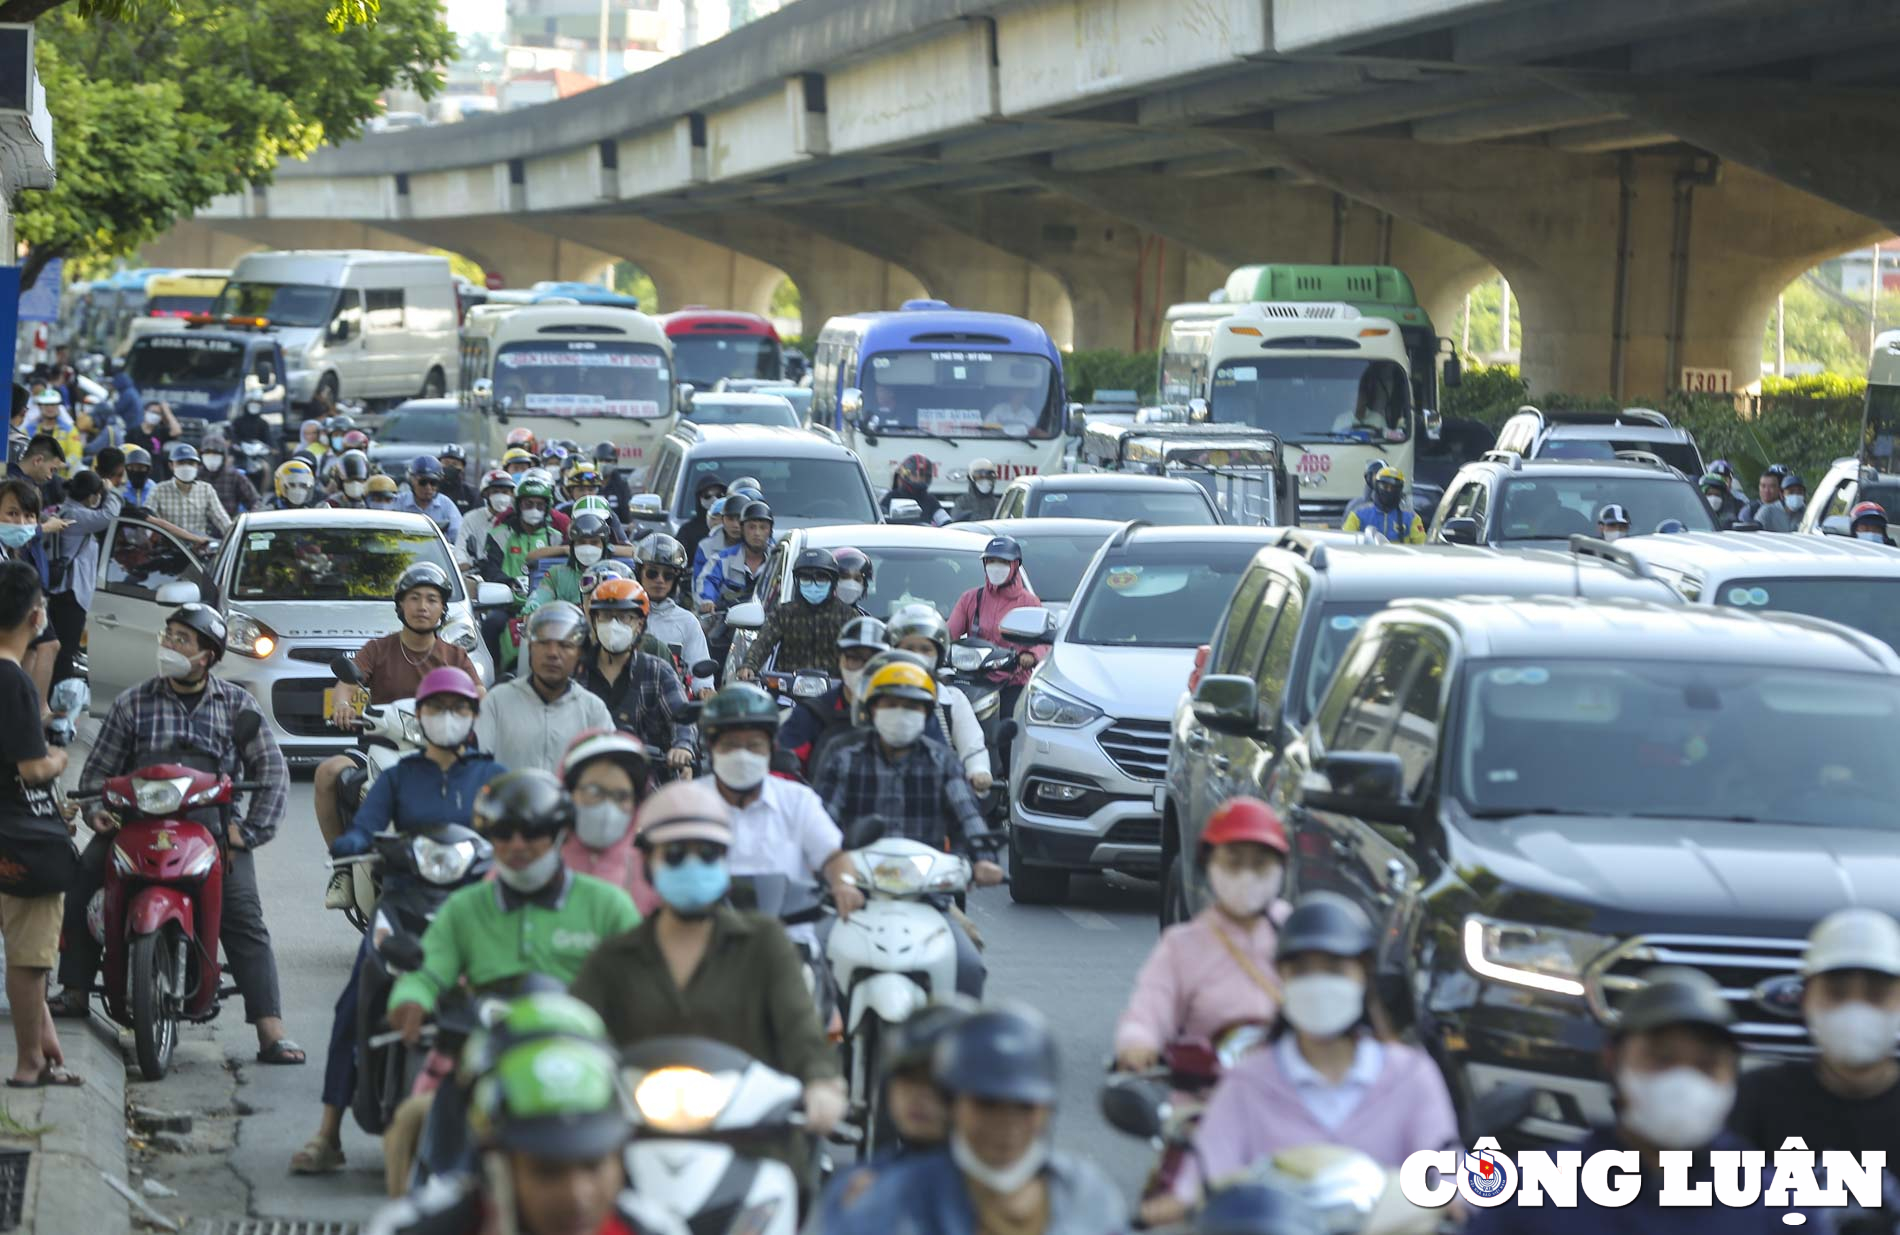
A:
[(493, 595), (748, 616), (483, 391), (1030, 624), (1363, 783), (177, 593), (344, 667), (401, 951), (850, 404), (1837, 525), (1229, 703), (904, 510), (647, 508), (1136, 1106), (1460, 531)]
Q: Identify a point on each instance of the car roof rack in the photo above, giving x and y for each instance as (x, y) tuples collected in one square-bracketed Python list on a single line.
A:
[(1302, 543), (1511, 457), (1585, 545), (1120, 538)]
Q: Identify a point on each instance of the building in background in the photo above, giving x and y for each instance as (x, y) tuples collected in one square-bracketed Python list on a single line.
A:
[(640, 33)]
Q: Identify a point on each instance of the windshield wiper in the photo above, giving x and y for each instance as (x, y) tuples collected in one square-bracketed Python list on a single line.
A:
[(1513, 812), (912, 430)]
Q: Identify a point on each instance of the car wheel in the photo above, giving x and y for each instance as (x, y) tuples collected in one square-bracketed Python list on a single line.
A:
[(1034, 885), (1174, 903), (435, 385), (328, 383)]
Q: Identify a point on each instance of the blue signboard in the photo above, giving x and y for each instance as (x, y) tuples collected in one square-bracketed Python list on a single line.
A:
[(40, 303)]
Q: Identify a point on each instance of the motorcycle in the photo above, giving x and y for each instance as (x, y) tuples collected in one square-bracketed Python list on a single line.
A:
[(158, 915), (388, 731), (793, 904), (1191, 1067), (973, 662)]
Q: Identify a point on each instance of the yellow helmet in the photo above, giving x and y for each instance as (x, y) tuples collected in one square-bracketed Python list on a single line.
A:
[(1389, 472), (380, 483), (296, 469), (900, 681), (515, 454)]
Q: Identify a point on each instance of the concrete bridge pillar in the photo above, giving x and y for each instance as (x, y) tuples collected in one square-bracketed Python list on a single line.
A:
[(685, 269)]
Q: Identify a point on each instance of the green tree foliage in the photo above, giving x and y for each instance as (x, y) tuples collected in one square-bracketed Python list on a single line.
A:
[(786, 302), (159, 107), (1824, 326), (1107, 368), (630, 280)]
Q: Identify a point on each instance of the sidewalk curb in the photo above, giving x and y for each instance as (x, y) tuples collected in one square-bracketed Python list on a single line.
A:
[(83, 1140)]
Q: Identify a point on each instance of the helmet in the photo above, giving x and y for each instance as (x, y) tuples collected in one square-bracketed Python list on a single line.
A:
[(581, 472), (553, 453), (817, 562), (452, 451), (683, 810), (1722, 467), (620, 596), (592, 504), (864, 632), (536, 1014), (339, 423), (919, 619), (1612, 512), (514, 454), (1373, 468), (899, 681), (1669, 526), (600, 572), (659, 549), (616, 744), (980, 464), (287, 473), (747, 493), (1004, 549), (554, 1097), (1712, 480), (853, 562), (558, 621), (606, 453), (205, 622), (718, 508), (425, 467), (138, 456), (1675, 995), (213, 440), (1245, 818), (1388, 483), (586, 527), (1257, 1209), (748, 482), (1777, 470), (353, 465), (182, 452), (448, 680), (1867, 510), (532, 486), (356, 439), (519, 437), (917, 465), (531, 800), (497, 479), (755, 512), (424, 574), (738, 705), (913, 1041), (382, 484), (1326, 922), (1006, 1054)]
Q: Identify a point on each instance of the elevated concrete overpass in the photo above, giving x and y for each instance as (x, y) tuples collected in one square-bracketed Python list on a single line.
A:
[(1647, 173)]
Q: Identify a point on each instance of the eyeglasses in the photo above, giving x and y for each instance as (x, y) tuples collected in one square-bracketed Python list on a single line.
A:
[(510, 831), (660, 574), (594, 795), (178, 641), (675, 852), (427, 482)]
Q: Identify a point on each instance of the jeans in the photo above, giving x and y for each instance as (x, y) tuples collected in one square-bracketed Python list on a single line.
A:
[(68, 620), (339, 1062)]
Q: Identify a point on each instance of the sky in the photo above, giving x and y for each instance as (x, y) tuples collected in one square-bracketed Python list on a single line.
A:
[(469, 16)]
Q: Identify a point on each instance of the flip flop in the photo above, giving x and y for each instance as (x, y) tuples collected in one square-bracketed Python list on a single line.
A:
[(68, 1006), (58, 1078), (317, 1157), (282, 1052)]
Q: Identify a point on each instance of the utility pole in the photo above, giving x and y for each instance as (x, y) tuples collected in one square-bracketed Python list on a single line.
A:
[(605, 76), (1504, 314), (1781, 337)]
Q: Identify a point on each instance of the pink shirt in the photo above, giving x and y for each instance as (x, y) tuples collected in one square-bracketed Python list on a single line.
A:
[(1191, 986), (980, 612), (619, 864)]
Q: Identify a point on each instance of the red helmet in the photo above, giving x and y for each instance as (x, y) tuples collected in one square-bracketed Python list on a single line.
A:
[(356, 439), (1867, 510), (448, 680), (919, 466), (1245, 819)]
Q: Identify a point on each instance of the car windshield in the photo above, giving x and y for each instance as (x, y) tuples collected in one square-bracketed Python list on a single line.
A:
[(330, 563), (1682, 741), (1165, 595), (1868, 605), (1338, 623), (1158, 506), (1053, 565), (1314, 398), (1679, 455), (713, 410), (961, 394), (932, 576), (1881, 427), (586, 379), (187, 360), (285, 304), (1554, 507), (809, 490), (704, 359), (421, 425)]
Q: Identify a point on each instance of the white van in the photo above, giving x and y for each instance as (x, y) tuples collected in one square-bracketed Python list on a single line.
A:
[(363, 323)]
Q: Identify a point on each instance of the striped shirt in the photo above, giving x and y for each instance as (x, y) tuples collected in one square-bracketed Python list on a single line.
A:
[(196, 509)]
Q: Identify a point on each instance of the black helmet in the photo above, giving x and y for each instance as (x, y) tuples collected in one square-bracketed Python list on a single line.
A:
[(589, 526), (1005, 1054), (739, 705), (1003, 548), (424, 574), (452, 451), (913, 1042), (815, 561), (138, 456), (1675, 995), (353, 465), (607, 453), (754, 512), (864, 632), (853, 562), (205, 623), (659, 549), (339, 423), (531, 801), (1326, 922), (1257, 1209)]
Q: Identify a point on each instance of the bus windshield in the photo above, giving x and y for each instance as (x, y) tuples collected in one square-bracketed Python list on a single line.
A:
[(185, 360), (1882, 427), (961, 394), (1314, 398), (584, 378), (704, 359), (285, 304)]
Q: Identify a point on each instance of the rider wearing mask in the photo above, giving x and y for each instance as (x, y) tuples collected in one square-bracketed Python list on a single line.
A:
[(533, 718), (138, 477), (1849, 1097), (587, 538), (522, 534), (641, 691), (296, 487), (608, 773), (1769, 510), (234, 489), (854, 578), (1721, 501), (517, 462), (382, 493), (1613, 522), (350, 471), (978, 501), (1386, 513), (739, 566), (1794, 496), (435, 785), (454, 460), (981, 610), (694, 533), (728, 534), (1868, 521), (912, 480), (182, 501), (497, 499), (1215, 969), (1332, 1074), (1001, 1171), (815, 723), (660, 567), (920, 630), (800, 633)]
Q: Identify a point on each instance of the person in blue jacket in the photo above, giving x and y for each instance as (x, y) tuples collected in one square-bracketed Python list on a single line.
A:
[(1387, 513)]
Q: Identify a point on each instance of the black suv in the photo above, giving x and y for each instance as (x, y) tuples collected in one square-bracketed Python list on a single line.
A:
[(1540, 799), (1512, 502)]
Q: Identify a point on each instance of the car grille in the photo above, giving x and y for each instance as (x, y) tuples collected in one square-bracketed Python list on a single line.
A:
[(1328, 511), (1135, 832), (1746, 968), (297, 706), (320, 656), (1138, 747)]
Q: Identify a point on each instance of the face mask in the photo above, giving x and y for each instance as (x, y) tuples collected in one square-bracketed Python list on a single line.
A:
[(1244, 894), (185, 473), (14, 535), (1610, 533), (899, 726), (986, 487), (587, 555), (501, 503), (1795, 501), (354, 488), (1004, 1180), (336, 441), (172, 664), (850, 591), (1855, 1035), (854, 681), (600, 824), (214, 463), (150, 420), (997, 573), (535, 875), (297, 493), (446, 729), (1713, 501), (1877, 537), (383, 503), (693, 886), (1324, 1005), (814, 593), (1680, 1108), (616, 637), (741, 770), (531, 516)]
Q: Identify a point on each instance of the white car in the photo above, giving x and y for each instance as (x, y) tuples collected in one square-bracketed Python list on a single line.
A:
[(297, 589)]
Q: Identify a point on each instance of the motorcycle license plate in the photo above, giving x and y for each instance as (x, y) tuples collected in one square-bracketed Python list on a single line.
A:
[(330, 698)]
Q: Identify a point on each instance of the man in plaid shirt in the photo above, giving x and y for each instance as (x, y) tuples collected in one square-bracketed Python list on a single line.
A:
[(641, 691), (186, 715), (234, 489), (185, 502)]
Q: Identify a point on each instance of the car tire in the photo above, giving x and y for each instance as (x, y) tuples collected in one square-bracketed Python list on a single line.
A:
[(1035, 885), (435, 385), (329, 382), (1174, 902)]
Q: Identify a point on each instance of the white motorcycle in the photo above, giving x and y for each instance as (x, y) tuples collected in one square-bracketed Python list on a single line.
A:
[(393, 730), (891, 958)]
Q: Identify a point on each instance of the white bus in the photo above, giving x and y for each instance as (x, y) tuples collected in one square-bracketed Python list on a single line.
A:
[(1185, 333), (571, 370)]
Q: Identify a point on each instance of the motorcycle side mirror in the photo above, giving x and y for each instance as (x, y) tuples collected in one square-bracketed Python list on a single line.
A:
[(1135, 1106), (401, 951), (247, 726), (647, 508), (346, 671), (705, 668), (747, 616)]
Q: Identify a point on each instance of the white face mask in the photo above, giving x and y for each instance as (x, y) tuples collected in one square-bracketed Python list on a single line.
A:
[(741, 770), (1610, 533), (446, 729), (535, 875), (587, 555), (354, 488), (1006, 1180), (531, 516), (854, 681), (1795, 501), (150, 420), (850, 591), (615, 637), (173, 664), (1876, 537), (600, 824), (996, 572), (1324, 1005), (1245, 894), (297, 493), (1855, 1035), (1713, 501), (899, 726), (985, 487), (214, 463), (501, 503), (186, 473), (1678, 1108)]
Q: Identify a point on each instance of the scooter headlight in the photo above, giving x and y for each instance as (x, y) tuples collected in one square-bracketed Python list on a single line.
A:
[(160, 797), (965, 658), (440, 863), (682, 1099), (901, 876)]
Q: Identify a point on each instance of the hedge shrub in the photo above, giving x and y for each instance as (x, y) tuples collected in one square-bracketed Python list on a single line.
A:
[(1108, 368)]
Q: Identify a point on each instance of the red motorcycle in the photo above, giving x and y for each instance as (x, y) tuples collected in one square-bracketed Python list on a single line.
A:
[(157, 917)]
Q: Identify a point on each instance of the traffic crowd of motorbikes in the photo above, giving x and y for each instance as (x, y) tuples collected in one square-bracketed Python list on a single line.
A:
[(642, 952)]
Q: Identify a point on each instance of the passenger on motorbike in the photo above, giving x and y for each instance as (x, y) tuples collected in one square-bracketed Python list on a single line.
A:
[(1333, 1073), (854, 577), (641, 691), (743, 561), (919, 628), (1217, 968), (815, 723), (497, 499), (608, 773), (296, 487), (801, 633), (660, 567), (436, 785), (1868, 521), (705, 537), (1001, 1171), (517, 462), (587, 540), (1723, 505)]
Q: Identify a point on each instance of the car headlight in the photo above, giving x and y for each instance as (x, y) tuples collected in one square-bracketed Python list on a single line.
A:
[(160, 797), (440, 863), (682, 1099), (1541, 958), (247, 636), (901, 876), (463, 635), (1049, 706)]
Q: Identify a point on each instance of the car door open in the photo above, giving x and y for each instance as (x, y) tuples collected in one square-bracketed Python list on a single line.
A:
[(136, 560)]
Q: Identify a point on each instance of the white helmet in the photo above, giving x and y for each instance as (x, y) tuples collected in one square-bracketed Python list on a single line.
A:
[(1853, 939)]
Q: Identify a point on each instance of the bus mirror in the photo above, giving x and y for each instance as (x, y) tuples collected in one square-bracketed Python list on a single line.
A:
[(1454, 373), (1434, 423), (484, 392), (685, 391), (1197, 411), (1077, 420), (850, 403)]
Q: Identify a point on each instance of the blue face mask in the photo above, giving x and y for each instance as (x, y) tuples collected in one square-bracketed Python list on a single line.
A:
[(14, 535), (814, 593), (693, 886)]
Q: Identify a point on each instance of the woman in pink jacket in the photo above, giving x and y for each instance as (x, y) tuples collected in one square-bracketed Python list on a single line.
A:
[(980, 610), (608, 774)]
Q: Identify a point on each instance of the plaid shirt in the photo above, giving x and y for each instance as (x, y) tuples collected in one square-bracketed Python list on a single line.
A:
[(921, 797), (196, 509), (233, 487), (642, 699), (149, 719), (806, 636)]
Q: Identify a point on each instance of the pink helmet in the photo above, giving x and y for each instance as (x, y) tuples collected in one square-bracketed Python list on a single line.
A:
[(448, 680)]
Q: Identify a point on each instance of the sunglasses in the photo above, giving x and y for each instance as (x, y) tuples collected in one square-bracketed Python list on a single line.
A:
[(428, 482), (675, 852), (510, 831), (660, 574)]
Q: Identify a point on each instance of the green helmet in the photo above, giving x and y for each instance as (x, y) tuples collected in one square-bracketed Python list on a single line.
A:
[(592, 504), (533, 486), (1713, 480), (740, 705), (545, 1014), (553, 1097)]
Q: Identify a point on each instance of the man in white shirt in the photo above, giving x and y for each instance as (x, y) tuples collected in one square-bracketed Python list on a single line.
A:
[(529, 722)]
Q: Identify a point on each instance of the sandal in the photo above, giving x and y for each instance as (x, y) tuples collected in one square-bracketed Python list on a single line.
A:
[(283, 1052), (317, 1157), (53, 1076), (69, 1005)]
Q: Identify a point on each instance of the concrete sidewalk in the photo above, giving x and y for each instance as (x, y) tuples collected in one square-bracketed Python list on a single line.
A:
[(77, 1136)]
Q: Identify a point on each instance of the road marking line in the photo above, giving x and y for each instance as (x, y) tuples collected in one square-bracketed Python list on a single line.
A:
[(1088, 919)]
